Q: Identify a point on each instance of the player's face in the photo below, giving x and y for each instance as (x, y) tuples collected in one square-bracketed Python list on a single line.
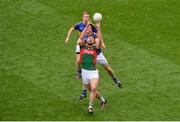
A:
[(89, 30), (86, 18), (90, 40)]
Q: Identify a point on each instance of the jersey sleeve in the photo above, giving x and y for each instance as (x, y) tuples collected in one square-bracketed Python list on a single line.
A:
[(76, 26), (81, 53)]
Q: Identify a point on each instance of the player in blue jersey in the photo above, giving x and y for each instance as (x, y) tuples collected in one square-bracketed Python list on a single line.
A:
[(79, 27)]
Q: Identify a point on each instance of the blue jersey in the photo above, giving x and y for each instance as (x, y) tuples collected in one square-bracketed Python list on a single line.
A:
[(80, 27)]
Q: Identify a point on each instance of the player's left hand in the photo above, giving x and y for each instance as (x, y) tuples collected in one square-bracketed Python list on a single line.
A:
[(98, 24), (66, 41)]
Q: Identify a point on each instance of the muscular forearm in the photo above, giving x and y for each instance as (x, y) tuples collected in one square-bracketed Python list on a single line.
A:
[(83, 32), (102, 44), (97, 41), (69, 33)]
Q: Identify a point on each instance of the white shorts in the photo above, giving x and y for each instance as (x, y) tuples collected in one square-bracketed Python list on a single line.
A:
[(77, 49), (87, 75), (101, 59)]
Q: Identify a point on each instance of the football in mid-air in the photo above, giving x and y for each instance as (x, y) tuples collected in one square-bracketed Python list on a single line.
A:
[(97, 17)]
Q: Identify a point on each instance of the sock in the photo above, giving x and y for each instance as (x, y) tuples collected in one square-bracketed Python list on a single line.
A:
[(114, 78), (79, 71), (90, 104), (102, 99), (84, 91), (84, 88)]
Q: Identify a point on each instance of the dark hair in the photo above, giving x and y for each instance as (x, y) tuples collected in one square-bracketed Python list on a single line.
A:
[(91, 25)]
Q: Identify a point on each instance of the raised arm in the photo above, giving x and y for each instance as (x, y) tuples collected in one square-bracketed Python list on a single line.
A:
[(103, 46), (99, 35), (80, 39), (98, 43), (69, 34)]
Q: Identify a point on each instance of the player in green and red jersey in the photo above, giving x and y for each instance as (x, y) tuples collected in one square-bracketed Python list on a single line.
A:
[(90, 75), (88, 31)]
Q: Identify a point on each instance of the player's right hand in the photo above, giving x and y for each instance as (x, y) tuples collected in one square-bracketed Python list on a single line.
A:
[(66, 41)]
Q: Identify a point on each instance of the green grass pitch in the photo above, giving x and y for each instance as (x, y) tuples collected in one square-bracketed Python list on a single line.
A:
[(37, 71)]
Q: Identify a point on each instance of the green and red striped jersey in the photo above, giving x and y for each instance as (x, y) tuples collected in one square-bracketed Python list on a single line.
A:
[(88, 56)]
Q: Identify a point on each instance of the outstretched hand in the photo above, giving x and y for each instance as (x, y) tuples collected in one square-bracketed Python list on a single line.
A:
[(66, 41), (98, 24)]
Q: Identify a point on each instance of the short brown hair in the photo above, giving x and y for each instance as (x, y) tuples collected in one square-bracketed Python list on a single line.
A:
[(85, 12)]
